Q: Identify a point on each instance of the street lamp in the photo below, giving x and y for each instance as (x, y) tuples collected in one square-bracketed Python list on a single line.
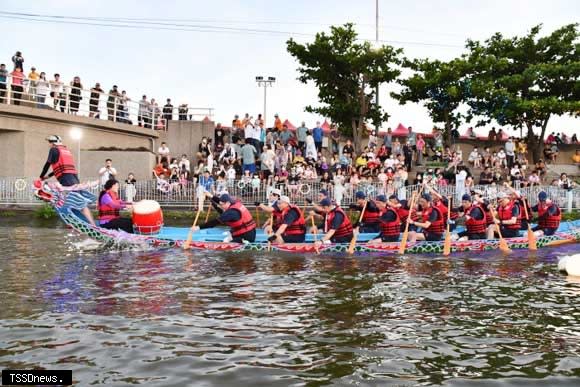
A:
[(77, 134), (265, 82)]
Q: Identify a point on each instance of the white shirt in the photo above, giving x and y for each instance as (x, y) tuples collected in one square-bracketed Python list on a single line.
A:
[(163, 151), (107, 174), (231, 174)]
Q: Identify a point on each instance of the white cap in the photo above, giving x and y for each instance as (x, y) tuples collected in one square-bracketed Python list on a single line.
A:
[(285, 199), (276, 191), (501, 195)]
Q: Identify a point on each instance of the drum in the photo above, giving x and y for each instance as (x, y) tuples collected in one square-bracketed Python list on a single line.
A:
[(147, 217)]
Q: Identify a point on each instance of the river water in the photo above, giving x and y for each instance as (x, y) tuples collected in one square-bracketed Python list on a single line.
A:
[(174, 318)]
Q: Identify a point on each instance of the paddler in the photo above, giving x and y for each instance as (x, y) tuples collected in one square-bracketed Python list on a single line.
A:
[(292, 228), (517, 197), (235, 215), (508, 218), (61, 161), (370, 222), (402, 208), (317, 212), (390, 223), (337, 225), (549, 215), (475, 222), (442, 203), (109, 206), (432, 222), (271, 208)]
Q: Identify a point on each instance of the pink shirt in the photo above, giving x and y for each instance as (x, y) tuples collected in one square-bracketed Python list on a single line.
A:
[(17, 77)]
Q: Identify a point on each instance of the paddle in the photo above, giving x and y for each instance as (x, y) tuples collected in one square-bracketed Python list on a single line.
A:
[(269, 234), (405, 236), (314, 231), (447, 244), (502, 243), (355, 234), (207, 215), (258, 216), (531, 236), (187, 243)]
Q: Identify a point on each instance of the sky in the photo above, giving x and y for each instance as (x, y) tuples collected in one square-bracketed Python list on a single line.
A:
[(217, 68)]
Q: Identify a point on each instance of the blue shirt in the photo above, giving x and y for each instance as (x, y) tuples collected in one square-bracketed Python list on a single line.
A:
[(317, 134)]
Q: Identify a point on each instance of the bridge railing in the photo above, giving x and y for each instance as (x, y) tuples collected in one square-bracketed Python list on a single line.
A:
[(66, 98), (18, 191)]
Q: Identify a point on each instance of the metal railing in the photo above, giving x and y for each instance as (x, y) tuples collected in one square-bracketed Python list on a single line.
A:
[(66, 98), (19, 191)]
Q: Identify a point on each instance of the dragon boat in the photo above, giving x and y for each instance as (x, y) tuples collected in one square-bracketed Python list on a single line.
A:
[(69, 201)]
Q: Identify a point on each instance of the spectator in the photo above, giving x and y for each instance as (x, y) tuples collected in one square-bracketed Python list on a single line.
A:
[(492, 135), (408, 155), (396, 147), (249, 154), (184, 167), (500, 135), (347, 148), (565, 183), (412, 141), (108, 172), (130, 189), (574, 139), (334, 139), (551, 153), (33, 77), (388, 141), (219, 135), (112, 103), (18, 61), (3, 82), (420, 149), (204, 149), (167, 112), (154, 113), (277, 122), (143, 113), (76, 88), (228, 155), (510, 151), (522, 151), (42, 90), (486, 176), (475, 158), (576, 157), (17, 82), (56, 91), (267, 162), (123, 109), (182, 111), (311, 151), (301, 133), (317, 135), (501, 158), (94, 100), (534, 179), (163, 151)]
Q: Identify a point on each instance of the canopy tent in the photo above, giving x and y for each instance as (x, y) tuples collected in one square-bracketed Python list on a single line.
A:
[(289, 125), (400, 131)]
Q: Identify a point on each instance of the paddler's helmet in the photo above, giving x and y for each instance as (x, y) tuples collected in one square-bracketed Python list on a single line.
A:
[(54, 139)]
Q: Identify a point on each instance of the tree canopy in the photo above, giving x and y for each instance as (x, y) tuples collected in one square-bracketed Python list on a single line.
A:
[(346, 73)]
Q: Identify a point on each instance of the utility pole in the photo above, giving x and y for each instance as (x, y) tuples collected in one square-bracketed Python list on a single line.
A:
[(377, 43), (265, 82)]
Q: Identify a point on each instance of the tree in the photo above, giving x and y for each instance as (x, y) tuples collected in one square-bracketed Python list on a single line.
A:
[(523, 81), (346, 73), (440, 85)]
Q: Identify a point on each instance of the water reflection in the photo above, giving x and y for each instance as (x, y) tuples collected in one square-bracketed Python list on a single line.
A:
[(260, 319)]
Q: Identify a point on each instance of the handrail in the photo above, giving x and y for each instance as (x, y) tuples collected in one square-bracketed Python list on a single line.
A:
[(67, 98)]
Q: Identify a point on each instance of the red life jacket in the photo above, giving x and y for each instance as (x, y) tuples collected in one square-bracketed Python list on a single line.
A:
[(108, 212), (473, 225), (369, 217), (277, 218), (442, 208), (244, 224), (392, 228), (298, 227), (438, 226), (547, 220), (65, 162), (505, 213), (403, 214), (488, 216), (345, 229)]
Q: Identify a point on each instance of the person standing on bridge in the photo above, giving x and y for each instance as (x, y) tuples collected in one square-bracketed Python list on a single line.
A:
[(61, 161)]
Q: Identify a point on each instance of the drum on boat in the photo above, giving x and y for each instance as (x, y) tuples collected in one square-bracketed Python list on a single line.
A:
[(147, 217)]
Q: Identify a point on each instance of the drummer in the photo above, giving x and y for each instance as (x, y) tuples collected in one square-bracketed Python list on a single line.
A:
[(370, 217), (109, 206), (292, 227), (235, 215)]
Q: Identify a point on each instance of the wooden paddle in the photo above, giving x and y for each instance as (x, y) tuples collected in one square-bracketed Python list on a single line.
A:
[(208, 212), (447, 244), (502, 243), (355, 234), (531, 236), (270, 234), (187, 243), (314, 231), (405, 236), (258, 215)]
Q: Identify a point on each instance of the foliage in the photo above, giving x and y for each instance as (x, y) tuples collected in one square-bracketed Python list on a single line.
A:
[(523, 81), (440, 85), (347, 74), (45, 211)]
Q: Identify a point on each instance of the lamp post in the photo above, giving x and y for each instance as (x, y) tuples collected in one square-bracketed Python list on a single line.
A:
[(77, 134), (377, 42), (265, 82)]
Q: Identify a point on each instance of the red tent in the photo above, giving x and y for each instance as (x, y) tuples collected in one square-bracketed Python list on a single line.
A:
[(325, 126), (289, 125), (400, 131)]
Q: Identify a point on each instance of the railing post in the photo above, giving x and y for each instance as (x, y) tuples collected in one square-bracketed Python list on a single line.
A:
[(8, 89), (115, 109)]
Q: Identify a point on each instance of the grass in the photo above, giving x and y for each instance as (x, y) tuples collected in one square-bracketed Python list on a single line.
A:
[(45, 212)]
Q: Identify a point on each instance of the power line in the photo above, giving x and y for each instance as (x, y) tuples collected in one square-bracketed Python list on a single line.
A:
[(157, 25)]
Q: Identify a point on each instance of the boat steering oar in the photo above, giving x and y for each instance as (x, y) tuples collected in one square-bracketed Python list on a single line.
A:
[(355, 234), (314, 232), (447, 244), (502, 243), (532, 245)]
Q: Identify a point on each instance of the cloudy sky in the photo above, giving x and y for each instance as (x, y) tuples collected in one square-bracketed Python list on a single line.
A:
[(208, 53)]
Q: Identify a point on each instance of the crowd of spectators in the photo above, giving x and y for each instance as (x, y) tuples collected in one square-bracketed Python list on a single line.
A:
[(55, 94)]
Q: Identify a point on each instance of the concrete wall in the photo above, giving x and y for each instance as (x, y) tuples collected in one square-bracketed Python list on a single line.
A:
[(140, 163), (23, 149), (184, 137)]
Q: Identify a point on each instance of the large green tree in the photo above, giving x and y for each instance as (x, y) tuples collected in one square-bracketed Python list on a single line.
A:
[(439, 85), (524, 81), (346, 73)]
